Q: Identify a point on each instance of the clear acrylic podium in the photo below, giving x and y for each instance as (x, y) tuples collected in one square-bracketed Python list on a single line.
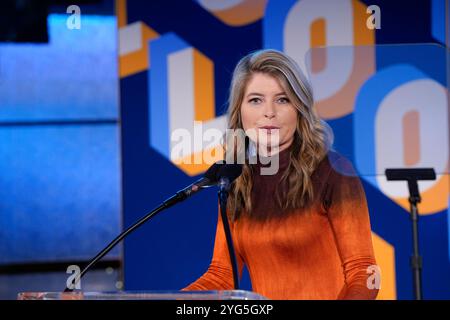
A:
[(154, 295)]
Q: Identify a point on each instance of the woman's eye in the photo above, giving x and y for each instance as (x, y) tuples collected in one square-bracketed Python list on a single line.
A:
[(254, 100), (283, 100)]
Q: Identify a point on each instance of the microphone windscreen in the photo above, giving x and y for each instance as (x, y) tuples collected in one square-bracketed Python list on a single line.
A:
[(212, 173), (230, 171)]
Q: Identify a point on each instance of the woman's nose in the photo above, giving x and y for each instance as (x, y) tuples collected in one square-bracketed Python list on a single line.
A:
[(269, 111)]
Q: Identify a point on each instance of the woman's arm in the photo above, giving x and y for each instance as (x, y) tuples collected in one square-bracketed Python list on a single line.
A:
[(219, 275), (349, 217)]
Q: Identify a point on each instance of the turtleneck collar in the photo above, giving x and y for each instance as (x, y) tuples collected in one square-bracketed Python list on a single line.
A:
[(283, 159)]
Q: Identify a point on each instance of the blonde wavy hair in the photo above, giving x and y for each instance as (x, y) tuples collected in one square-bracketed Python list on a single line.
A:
[(312, 138)]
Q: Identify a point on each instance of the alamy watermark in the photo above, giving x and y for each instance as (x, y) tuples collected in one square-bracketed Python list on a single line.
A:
[(374, 278), (242, 146), (74, 280), (74, 20), (374, 21)]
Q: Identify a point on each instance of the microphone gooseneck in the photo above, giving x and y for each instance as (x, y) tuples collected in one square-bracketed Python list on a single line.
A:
[(210, 178)]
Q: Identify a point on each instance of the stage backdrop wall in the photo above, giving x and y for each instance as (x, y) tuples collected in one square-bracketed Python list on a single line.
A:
[(60, 189), (59, 144), (383, 91)]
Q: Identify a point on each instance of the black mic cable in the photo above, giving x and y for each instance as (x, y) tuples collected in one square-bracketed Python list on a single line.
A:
[(226, 175)]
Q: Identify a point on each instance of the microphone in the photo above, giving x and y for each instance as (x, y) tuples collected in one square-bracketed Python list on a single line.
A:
[(227, 174), (210, 178)]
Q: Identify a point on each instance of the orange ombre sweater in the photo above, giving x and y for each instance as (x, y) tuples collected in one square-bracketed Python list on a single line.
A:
[(319, 252)]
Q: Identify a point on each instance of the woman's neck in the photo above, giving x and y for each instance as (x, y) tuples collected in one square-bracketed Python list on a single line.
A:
[(279, 159)]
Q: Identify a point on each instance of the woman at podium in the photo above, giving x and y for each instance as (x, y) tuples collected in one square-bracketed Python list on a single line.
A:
[(302, 231)]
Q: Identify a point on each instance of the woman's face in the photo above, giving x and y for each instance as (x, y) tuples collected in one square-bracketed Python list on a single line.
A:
[(267, 110)]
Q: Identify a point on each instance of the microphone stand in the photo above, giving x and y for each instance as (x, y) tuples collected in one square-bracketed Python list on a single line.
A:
[(416, 259), (412, 175), (178, 197), (218, 171), (224, 186)]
